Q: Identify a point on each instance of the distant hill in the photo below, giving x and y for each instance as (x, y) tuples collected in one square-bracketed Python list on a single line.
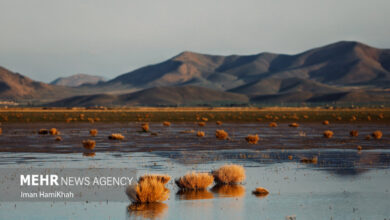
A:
[(158, 96), (345, 71), (341, 64), (78, 80)]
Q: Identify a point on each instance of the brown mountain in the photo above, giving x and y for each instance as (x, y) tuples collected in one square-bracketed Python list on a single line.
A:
[(78, 80), (341, 64), (157, 96)]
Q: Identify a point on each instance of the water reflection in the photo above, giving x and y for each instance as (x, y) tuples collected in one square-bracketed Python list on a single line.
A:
[(194, 194), (89, 154), (229, 190), (147, 210)]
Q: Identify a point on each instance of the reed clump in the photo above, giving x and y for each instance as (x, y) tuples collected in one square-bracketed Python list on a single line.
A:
[(200, 134), (149, 189), (58, 138), (273, 124), (252, 139), (145, 127), (218, 122), (326, 122), (93, 132), (312, 160), (167, 123), (377, 134), (260, 191), (202, 124), (354, 133), (89, 144), (54, 131), (221, 134), (294, 125), (328, 134), (116, 136), (195, 181), (229, 174), (43, 131)]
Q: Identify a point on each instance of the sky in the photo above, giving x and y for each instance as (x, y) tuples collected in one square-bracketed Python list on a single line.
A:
[(46, 39)]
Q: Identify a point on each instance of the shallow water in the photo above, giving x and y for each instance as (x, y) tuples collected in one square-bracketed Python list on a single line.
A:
[(343, 184)]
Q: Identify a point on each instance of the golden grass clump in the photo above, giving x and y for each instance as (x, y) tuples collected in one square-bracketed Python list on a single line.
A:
[(187, 131), (205, 119), (202, 124), (149, 190), (195, 181), (377, 134), (93, 132), (116, 136), (294, 125), (381, 116), (326, 122), (221, 134), (313, 160), (290, 157), (1, 131), (273, 124), (328, 133), (89, 144), (359, 148), (260, 191), (161, 178), (54, 131), (200, 134), (167, 123), (368, 137), (43, 131), (252, 139), (218, 122), (145, 127), (58, 138), (229, 174), (354, 133)]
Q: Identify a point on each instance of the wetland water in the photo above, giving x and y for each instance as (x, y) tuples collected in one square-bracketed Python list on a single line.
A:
[(344, 183)]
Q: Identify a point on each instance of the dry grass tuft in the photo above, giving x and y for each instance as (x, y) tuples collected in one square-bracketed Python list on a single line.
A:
[(167, 123), (290, 157), (93, 132), (89, 144), (326, 122), (161, 178), (187, 131), (229, 174), (294, 125), (1, 130), (377, 134), (221, 134), (54, 131), (273, 124), (205, 119), (218, 122), (200, 134), (252, 139), (260, 191), (368, 137), (116, 136), (195, 181), (359, 148), (43, 131), (145, 127), (354, 133), (147, 191), (328, 133), (202, 124), (58, 138), (312, 160)]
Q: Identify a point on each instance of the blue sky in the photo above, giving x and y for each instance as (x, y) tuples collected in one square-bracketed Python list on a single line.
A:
[(45, 39)]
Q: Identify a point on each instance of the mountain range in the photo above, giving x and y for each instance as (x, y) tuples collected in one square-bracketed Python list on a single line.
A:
[(345, 71), (78, 80)]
